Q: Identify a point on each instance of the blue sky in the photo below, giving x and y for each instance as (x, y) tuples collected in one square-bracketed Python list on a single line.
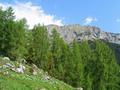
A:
[(102, 13)]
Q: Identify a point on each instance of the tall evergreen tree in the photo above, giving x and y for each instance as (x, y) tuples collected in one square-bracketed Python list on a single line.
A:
[(40, 46), (77, 64), (6, 17), (74, 66), (29, 46), (107, 69), (88, 61), (56, 52), (12, 34), (17, 40), (63, 60)]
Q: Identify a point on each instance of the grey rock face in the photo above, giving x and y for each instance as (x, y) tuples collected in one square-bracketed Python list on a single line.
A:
[(81, 33)]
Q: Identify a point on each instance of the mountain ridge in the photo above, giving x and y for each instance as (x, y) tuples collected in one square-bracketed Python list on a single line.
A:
[(81, 33)]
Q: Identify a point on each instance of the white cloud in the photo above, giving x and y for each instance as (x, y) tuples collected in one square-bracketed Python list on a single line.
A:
[(118, 20), (33, 14), (89, 20)]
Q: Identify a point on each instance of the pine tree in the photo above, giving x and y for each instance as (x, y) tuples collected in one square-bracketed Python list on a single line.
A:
[(64, 58), (40, 46), (12, 35), (17, 39), (6, 17), (78, 64), (56, 51), (107, 68), (74, 66), (29, 46), (88, 58)]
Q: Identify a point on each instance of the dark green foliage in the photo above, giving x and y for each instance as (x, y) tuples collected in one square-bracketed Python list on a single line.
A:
[(76, 64), (58, 51), (6, 17), (12, 35), (116, 50), (40, 45), (88, 58), (108, 68), (17, 40)]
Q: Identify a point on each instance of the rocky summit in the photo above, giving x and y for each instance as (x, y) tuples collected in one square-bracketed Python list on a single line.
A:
[(81, 33)]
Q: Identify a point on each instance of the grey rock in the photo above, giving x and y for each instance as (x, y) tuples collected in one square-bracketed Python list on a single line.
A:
[(34, 69), (20, 69), (81, 33), (79, 88), (6, 58), (46, 77), (9, 65)]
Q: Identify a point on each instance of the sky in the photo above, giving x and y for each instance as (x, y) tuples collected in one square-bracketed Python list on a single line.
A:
[(104, 14)]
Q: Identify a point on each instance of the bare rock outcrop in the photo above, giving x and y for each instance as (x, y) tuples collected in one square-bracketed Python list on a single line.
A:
[(81, 33)]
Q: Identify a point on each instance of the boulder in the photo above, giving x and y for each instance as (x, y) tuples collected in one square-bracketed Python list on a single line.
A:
[(9, 65), (6, 58), (20, 69), (34, 69), (46, 77), (80, 88)]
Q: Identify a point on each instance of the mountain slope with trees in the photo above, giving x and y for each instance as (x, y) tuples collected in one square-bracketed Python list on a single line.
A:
[(91, 66)]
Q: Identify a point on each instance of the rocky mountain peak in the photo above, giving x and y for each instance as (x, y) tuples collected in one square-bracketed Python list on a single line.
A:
[(80, 33)]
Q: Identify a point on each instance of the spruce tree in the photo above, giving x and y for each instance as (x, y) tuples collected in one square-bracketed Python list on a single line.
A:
[(56, 51), (107, 69), (6, 17), (17, 39), (77, 65), (88, 62), (74, 66), (12, 35), (40, 46)]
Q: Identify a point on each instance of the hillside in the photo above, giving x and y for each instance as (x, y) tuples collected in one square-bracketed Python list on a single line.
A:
[(40, 58), (16, 80), (82, 33)]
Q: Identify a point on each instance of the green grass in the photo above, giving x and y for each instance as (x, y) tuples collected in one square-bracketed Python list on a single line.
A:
[(27, 81)]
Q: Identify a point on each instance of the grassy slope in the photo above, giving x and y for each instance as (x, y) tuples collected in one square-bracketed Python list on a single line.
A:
[(16, 81), (25, 82)]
